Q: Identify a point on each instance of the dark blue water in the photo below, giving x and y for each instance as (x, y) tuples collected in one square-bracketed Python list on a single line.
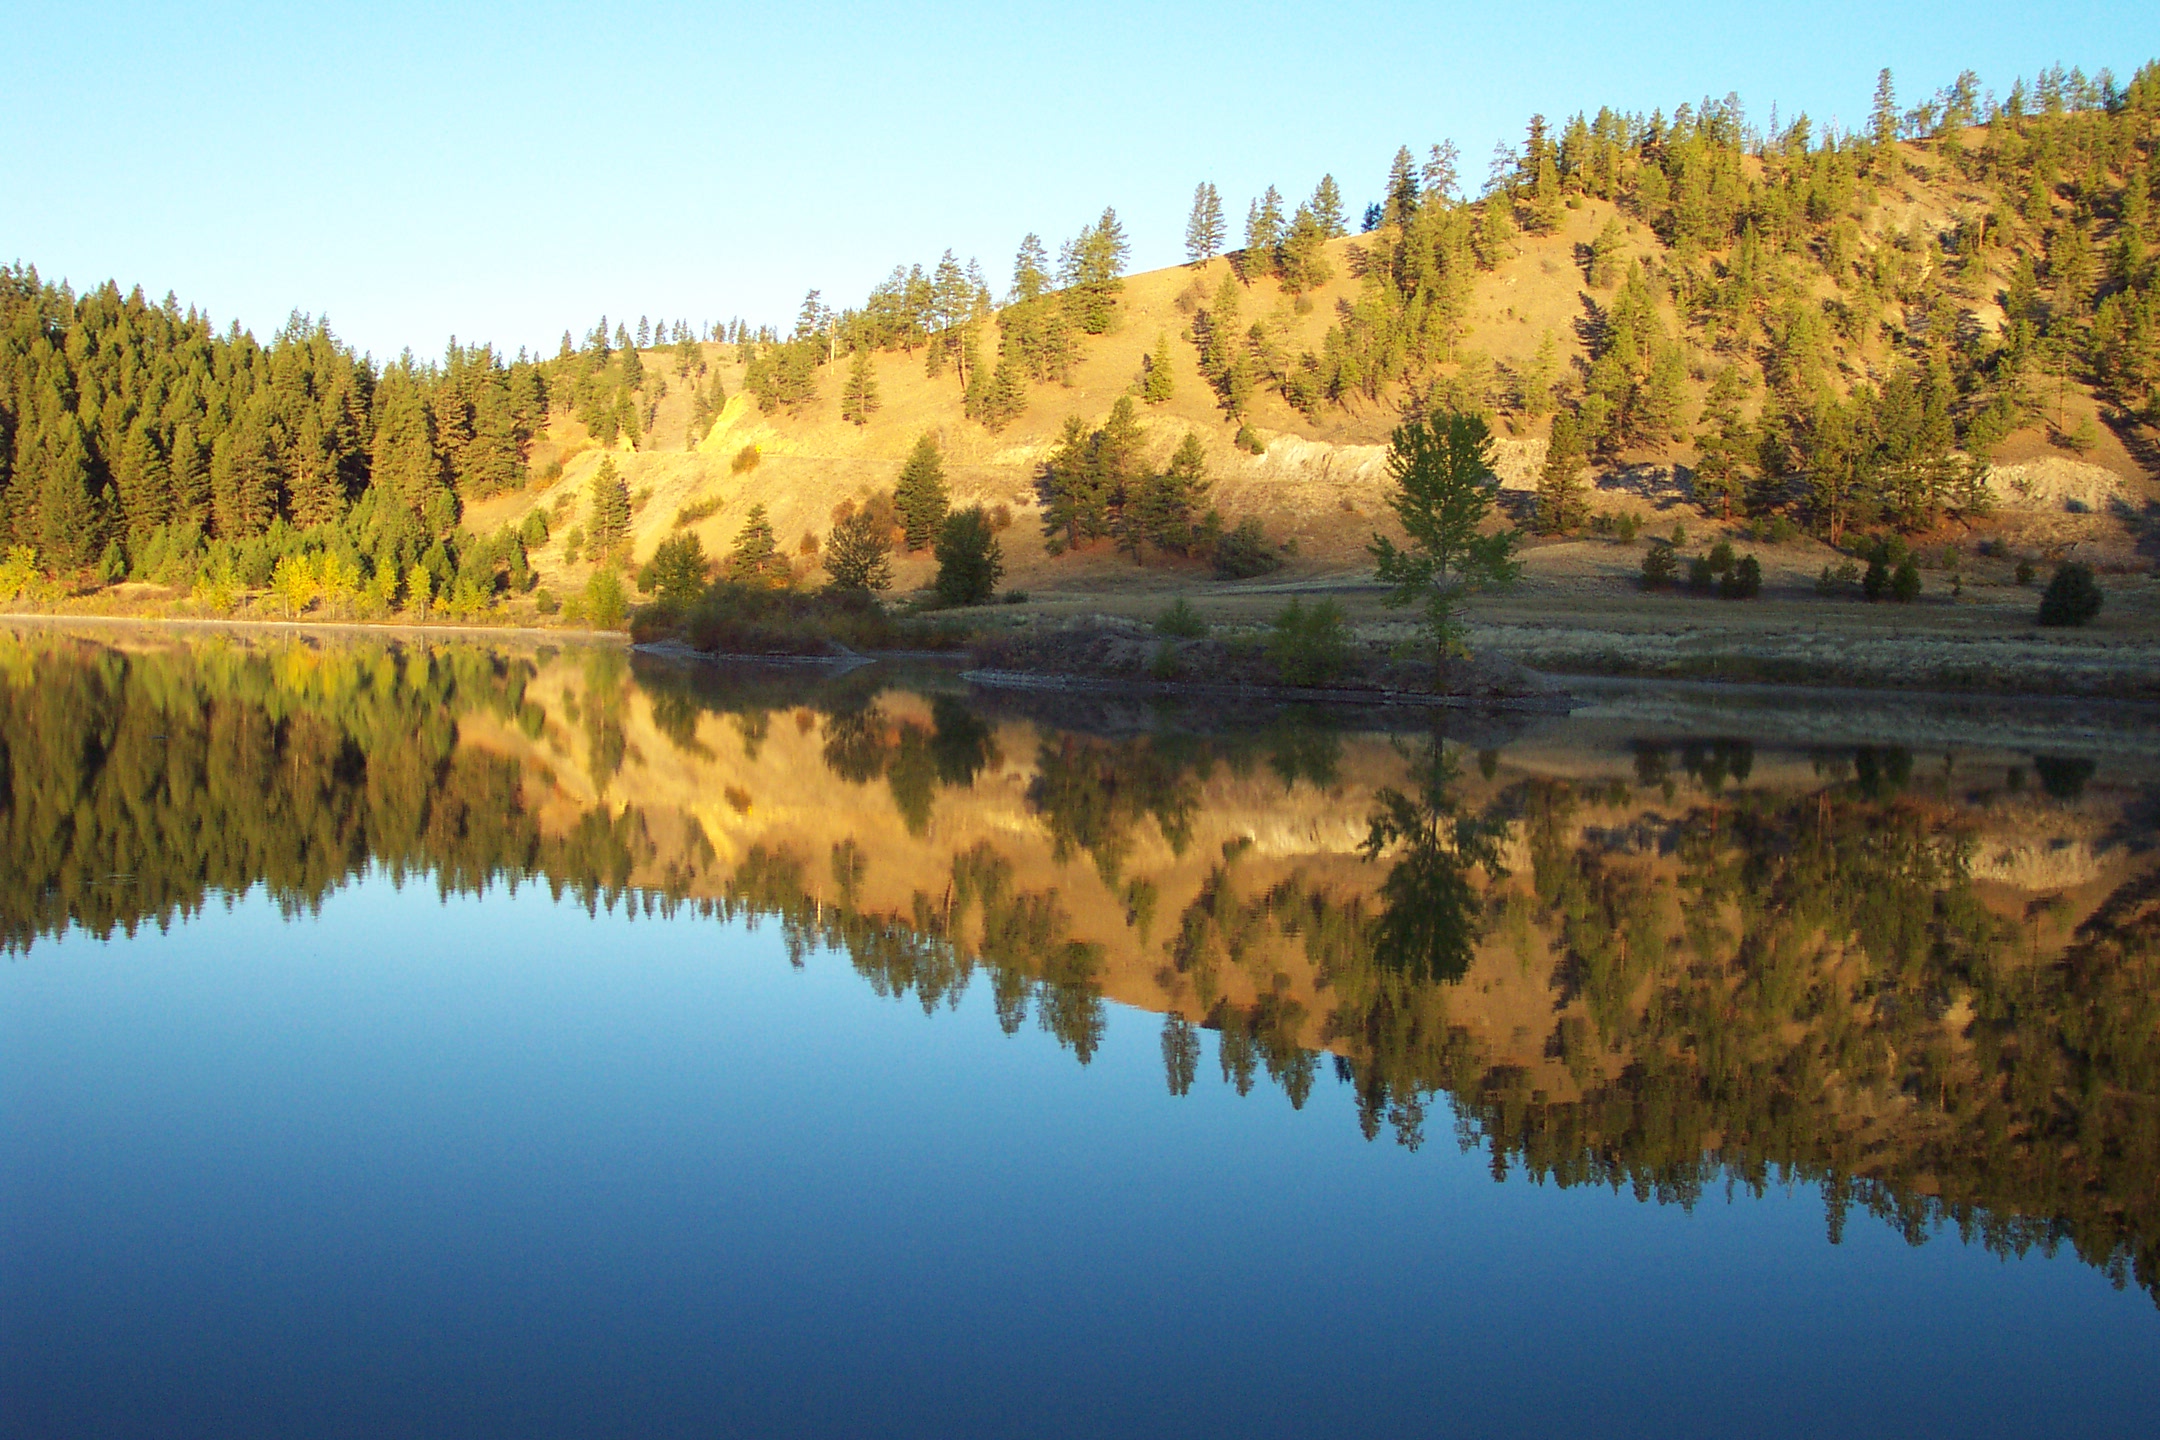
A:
[(495, 1166)]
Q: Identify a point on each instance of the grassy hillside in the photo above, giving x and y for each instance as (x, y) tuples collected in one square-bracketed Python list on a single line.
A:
[(1321, 480)]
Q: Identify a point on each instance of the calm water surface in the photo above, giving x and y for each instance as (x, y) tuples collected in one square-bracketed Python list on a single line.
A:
[(456, 1041)]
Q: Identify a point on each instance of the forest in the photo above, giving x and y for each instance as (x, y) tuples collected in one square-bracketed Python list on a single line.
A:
[(1816, 355)]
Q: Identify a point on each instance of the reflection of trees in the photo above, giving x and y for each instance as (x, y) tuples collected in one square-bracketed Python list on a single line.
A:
[(1746, 985), (1428, 923), (1093, 793)]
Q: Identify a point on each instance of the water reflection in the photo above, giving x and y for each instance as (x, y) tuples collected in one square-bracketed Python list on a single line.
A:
[(1921, 977)]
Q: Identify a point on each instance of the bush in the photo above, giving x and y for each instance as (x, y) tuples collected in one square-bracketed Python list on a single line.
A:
[(1243, 553), (2073, 596), (1743, 581), (698, 510), (1627, 527), (1247, 439), (1162, 665), (545, 602), (1181, 621), (1015, 597), (1658, 565), (970, 560), (1310, 647), (741, 619), (1905, 582), (2024, 572), (746, 460)]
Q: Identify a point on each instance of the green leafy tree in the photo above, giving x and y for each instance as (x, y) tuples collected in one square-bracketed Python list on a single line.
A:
[(920, 495), (858, 555), (970, 560), (1445, 486)]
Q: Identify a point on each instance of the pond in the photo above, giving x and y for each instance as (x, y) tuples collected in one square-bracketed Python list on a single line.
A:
[(488, 1039)]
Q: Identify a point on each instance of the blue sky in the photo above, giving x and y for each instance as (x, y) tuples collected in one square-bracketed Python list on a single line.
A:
[(505, 173)]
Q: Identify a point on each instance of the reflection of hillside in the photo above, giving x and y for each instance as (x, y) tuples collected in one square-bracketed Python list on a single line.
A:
[(1926, 983)]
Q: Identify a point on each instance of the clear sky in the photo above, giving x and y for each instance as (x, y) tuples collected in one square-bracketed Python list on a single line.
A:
[(508, 172)]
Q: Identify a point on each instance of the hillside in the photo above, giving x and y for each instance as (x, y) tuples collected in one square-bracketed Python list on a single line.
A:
[(1321, 481)]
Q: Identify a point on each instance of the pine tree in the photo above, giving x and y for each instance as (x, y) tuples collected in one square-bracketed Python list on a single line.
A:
[(1559, 495), (1327, 209), (1303, 264), (607, 508), (1204, 233), (1401, 200), (1031, 271), (1157, 384), (756, 558), (920, 496), (1883, 122), (970, 560), (1263, 232), (859, 396)]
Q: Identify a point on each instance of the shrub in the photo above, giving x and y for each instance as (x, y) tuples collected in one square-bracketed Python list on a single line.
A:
[(1658, 565), (1243, 553), (1743, 581), (1016, 597), (698, 510), (545, 602), (1310, 647), (1247, 439), (1162, 665), (1181, 621), (753, 619), (2073, 596), (2024, 572), (1905, 582), (970, 560), (1627, 527), (746, 460)]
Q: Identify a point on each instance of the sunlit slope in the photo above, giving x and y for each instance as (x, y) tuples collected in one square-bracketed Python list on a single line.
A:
[(1321, 480)]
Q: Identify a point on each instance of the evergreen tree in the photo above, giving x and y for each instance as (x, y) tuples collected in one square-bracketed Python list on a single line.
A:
[(1031, 271), (1401, 200), (1883, 120), (859, 396), (970, 560), (1093, 265), (1327, 209), (1560, 489), (607, 509), (1157, 384), (1444, 489), (1263, 233), (1303, 264), (756, 558), (1204, 232), (920, 496)]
